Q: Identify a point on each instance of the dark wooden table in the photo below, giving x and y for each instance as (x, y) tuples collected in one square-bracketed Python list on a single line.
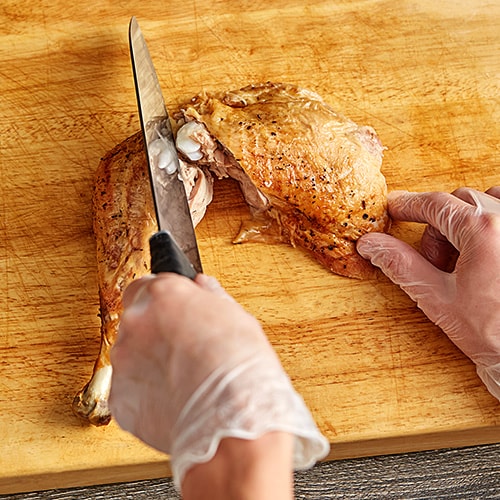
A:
[(467, 473)]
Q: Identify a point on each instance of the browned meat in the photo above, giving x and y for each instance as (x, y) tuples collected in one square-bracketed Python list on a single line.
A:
[(313, 171), (124, 220)]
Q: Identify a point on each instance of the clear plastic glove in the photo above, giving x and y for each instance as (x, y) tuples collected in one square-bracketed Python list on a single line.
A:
[(191, 367), (455, 279)]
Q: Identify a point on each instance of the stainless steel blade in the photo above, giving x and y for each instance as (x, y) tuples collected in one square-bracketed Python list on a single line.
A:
[(169, 194)]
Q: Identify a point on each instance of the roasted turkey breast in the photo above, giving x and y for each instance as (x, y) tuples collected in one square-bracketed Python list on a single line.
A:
[(316, 173)]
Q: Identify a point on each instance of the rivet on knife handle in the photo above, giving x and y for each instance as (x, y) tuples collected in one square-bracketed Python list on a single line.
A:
[(167, 257)]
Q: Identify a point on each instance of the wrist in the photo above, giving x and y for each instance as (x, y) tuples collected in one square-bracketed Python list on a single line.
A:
[(259, 468)]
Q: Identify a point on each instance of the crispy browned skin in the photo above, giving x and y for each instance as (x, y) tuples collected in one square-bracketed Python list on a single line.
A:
[(319, 171), (123, 222)]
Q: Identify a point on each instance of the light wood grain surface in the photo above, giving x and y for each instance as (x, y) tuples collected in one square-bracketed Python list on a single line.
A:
[(376, 374)]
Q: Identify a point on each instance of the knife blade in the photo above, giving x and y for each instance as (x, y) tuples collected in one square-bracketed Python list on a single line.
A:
[(174, 247)]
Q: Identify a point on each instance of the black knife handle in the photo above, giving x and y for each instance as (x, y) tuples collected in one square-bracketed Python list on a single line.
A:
[(167, 257)]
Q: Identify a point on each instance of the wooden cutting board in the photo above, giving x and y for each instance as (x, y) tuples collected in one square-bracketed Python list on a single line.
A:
[(376, 374)]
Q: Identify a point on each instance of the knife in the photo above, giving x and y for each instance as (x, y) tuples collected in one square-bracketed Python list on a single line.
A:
[(173, 248)]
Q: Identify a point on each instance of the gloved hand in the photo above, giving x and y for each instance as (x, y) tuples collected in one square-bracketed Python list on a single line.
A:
[(455, 279), (191, 367)]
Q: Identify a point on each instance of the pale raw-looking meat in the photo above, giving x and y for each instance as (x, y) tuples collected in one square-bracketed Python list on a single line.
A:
[(312, 171), (124, 220)]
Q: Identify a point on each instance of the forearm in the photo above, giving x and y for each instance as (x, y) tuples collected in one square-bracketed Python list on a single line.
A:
[(259, 469)]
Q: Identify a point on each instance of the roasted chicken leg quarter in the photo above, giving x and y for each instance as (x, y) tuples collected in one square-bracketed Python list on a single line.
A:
[(124, 220)]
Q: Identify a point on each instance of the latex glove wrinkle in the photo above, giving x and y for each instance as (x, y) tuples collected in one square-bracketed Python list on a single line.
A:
[(191, 367), (455, 278)]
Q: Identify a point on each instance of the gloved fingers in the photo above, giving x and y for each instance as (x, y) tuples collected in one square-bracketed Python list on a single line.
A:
[(403, 265), (145, 302), (451, 216), (136, 288), (124, 410), (484, 202), (494, 191), (211, 284), (438, 250)]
